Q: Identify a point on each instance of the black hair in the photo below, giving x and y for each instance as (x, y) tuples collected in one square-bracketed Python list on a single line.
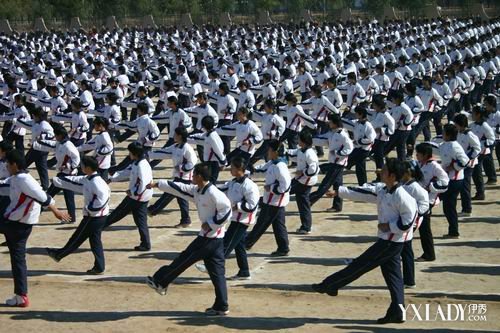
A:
[(276, 146), (395, 167), (451, 131), (336, 119), (59, 130), (461, 120), (306, 137), (239, 163), (208, 123), (269, 103), (290, 97), (361, 111), (143, 108), (424, 149), (6, 146), (203, 170), (173, 100), (16, 157), (136, 149), (244, 111), (414, 169), (90, 162), (182, 132), (101, 121)]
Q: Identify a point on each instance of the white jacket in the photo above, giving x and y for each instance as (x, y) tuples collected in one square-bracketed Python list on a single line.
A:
[(272, 125), (102, 145), (244, 196), (485, 134), (307, 164), (67, 155), (95, 192), (421, 196), (247, 131), (435, 180), (471, 145), (140, 176), (339, 145), (386, 124), (213, 148), (278, 178), (453, 155), (183, 157), (363, 133)]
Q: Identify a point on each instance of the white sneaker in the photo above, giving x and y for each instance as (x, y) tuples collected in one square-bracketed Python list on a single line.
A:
[(201, 268), (18, 301), (153, 285)]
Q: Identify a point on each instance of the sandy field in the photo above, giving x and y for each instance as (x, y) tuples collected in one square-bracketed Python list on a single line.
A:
[(277, 298)]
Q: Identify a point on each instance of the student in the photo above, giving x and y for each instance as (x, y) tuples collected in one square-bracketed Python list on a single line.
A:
[(363, 139), (17, 132), (244, 196), (383, 124), (67, 161), (340, 146), (5, 147), (183, 159), (101, 145), (355, 93), (453, 160), (139, 175), (276, 198), (435, 181), (411, 183), (306, 176), (26, 197), (40, 130), (79, 123), (472, 147), (490, 106), (213, 147), (416, 106), (397, 213), (226, 108), (403, 118), (486, 135), (296, 118), (96, 194), (214, 211), (248, 135), (272, 127)]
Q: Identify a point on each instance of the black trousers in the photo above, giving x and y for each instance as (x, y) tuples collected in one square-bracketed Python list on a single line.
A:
[(408, 261), (450, 205), (270, 215), (378, 153), (69, 198), (323, 128), (260, 153), (291, 138), (465, 191), (16, 235), (127, 161), (333, 177), (385, 254), (16, 140), (497, 150), (226, 140), (237, 153), (214, 171), (426, 238), (302, 193), (40, 159), (398, 141), (166, 198), (211, 251), (90, 228), (437, 119), (154, 163), (358, 158), (477, 175), (234, 239), (139, 212), (489, 167)]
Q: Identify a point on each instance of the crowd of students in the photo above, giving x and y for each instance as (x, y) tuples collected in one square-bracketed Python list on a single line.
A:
[(269, 101)]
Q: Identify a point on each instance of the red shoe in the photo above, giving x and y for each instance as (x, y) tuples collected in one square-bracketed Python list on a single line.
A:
[(18, 301)]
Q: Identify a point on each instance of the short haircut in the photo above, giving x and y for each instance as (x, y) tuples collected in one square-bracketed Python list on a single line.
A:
[(203, 170), (276, 146), (414, 169), (172, 99), (306, 137), (461, 120), (136, 149), (361, 111), (335, 119), (59, 130), (424, 149), (395, 167), (143, 108), (102, 121), (239, 163), (451, 131), (182, 132), (208, 123), (290, 97), (16, 157), (244, 111), (90, 162)]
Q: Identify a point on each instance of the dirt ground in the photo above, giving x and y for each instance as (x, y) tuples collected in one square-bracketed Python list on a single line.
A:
[(278, 297)]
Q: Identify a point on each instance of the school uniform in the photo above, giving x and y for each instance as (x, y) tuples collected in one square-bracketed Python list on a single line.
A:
[(296, 119), (452, 156), (403, 118), (183, 159), (397, 208), (308, 167), (363, 139), (274, 201), (244, 196), (385, 124), (431, 100), (67, 161), (140, 176), (214, 210), (226, 108), (26, 197), (213, 151), (494, 121), (96, 195), (79, 126), (102, 146), (486, 137), (417, 107), (248, 136), (16, 132), (272, 128), (421, 196), (435, 181), (472, 147)]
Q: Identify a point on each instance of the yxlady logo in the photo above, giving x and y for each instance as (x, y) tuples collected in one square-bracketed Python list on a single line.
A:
[(447, 312)]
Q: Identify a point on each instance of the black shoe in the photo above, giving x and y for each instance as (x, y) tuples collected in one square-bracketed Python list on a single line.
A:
[(422, 259), (320, 288), (279, 253), (478, 197), (3, 244), (53, 254), (142, 248), (94, 271), (390, 320), (491, 182), (448, 236)]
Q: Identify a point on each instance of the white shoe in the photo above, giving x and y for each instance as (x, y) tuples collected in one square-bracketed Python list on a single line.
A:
[(201, 268), (408, 286), (18, 301), (153, 285)]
